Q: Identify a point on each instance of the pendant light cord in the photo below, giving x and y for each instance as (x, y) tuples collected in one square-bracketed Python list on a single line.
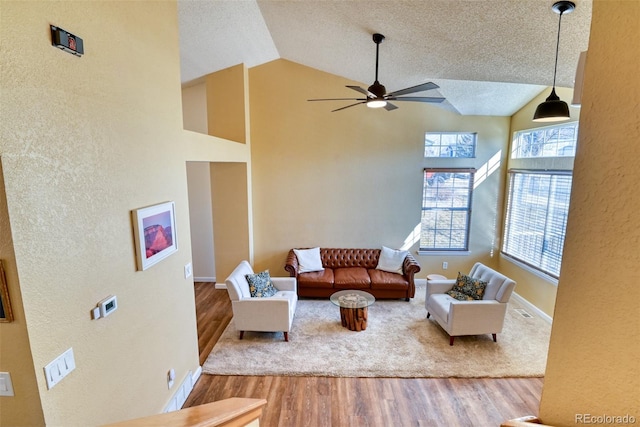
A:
[(378, 50), (555, 67)]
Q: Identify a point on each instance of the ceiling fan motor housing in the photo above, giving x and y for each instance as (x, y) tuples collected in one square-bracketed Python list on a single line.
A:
[(377, 89)]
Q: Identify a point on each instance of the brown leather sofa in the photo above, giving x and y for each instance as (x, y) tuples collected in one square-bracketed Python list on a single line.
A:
[(354, 269)]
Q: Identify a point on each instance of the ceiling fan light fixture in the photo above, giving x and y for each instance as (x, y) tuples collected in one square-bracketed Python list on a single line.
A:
[(376, 103), (553, 109)]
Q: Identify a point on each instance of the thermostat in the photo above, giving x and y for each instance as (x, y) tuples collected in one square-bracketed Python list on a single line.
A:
[(108, 305)]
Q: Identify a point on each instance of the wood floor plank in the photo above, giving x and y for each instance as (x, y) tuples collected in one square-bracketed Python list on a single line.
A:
[(330, 401)]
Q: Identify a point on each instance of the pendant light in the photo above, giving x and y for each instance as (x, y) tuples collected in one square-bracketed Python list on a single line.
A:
[(553, 109)]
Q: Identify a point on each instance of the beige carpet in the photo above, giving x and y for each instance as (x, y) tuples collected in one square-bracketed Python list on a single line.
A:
[(399, 342)]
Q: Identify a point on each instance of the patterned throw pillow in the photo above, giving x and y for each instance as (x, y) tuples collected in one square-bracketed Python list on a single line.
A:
[(260, 285), (467, 288)]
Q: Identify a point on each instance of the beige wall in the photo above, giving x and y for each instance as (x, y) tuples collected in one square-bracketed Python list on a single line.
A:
[(353, 178), (15, 353), (595, 341), (229, 178), (535, 288), (231, 219), (194, 108), (201, 221), (227, 103), (83, 142)]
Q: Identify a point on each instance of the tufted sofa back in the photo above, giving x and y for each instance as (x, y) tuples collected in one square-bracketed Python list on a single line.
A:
[(342, 258)]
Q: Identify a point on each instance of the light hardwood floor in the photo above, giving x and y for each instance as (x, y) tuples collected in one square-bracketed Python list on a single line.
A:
[(326, 401)]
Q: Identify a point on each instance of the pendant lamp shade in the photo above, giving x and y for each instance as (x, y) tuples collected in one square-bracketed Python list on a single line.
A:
[(553, 109)]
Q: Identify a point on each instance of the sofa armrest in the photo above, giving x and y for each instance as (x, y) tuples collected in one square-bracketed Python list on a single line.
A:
[(291, 264), (285, 283), (439, 286), (410, 267)]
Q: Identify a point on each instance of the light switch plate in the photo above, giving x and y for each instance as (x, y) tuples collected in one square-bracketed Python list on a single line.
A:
[(188, 271), (6, 386), (59, 368)]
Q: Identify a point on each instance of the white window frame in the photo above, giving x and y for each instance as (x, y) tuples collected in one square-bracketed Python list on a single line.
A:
[(556, 141), (446, 150), (438, 206)]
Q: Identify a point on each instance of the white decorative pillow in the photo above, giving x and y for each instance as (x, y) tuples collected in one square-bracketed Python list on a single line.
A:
[(308, 260), (391, 260)]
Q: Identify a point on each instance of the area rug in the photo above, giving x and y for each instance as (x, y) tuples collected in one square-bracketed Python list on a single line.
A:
[(399, 342)]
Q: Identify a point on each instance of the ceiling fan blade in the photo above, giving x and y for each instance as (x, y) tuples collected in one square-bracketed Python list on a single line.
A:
[(390, 107), (342, 108), (362, 91), (413, 89), (338, 99), (416, 98)]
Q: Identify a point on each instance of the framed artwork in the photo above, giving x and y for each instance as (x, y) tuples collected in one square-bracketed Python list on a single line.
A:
[(5, 305), (154, 228)]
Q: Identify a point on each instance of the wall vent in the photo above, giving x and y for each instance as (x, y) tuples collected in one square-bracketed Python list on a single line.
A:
[(522, 312)]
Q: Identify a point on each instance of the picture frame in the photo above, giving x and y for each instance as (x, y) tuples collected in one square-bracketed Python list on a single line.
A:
[(6, 315), (154, 229)]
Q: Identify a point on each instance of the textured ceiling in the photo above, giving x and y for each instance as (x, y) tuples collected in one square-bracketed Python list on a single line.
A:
[(489, 57)]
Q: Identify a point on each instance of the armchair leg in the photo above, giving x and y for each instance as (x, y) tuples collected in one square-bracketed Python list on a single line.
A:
[(451, 340), (286, 336), (494, 338), (241, 334), (428, 314)]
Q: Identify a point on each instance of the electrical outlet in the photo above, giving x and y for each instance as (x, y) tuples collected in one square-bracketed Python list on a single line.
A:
[(445, 265), (171, 377)]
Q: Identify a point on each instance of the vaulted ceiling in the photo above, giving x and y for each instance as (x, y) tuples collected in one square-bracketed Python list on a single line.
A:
[(489, 57)]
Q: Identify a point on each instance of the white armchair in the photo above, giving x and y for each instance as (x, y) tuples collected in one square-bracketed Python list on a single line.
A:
[(270, 314), (485, 316)]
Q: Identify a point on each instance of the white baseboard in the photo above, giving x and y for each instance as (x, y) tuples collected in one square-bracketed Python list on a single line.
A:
[(183, 391), (221, 286), (532, 307), (196, 375), (204, 279)]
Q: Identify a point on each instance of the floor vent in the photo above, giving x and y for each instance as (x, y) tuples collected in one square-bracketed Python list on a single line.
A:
[(522, 312)]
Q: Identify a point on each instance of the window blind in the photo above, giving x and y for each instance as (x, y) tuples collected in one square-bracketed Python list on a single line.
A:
[(536, 219)]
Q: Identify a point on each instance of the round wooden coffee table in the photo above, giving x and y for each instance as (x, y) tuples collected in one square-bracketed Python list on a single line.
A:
[(353, 308)]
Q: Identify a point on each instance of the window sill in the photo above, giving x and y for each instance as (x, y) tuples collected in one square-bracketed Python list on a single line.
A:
[(531, 270)]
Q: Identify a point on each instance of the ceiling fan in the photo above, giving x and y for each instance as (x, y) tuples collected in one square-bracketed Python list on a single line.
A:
[(376, 94)]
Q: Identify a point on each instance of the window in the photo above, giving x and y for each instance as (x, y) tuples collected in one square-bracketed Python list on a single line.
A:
[(536, 219), (449, 144), (552, 141), (446, 209)]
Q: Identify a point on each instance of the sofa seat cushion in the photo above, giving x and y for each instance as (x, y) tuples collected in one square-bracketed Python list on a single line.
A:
[(385, 280), (317, 279), (351, 278), (439, 306)]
